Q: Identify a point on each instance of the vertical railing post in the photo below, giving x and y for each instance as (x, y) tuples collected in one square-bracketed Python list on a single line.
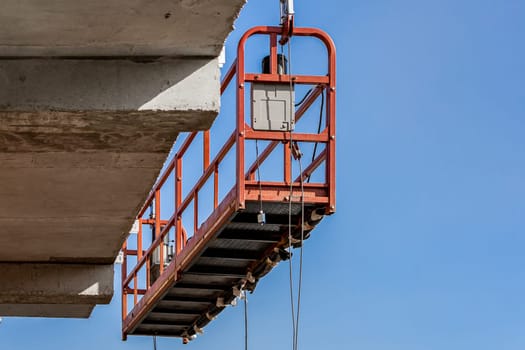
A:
[(195, 213), (139, 241), (157, 230), (330, 112), (124, 274), (273, 53), (178, 202), (216, 186), (240, 130), (287, 163), (206, 149)]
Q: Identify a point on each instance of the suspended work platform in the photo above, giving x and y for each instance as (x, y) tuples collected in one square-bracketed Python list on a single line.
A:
[(175, 280)]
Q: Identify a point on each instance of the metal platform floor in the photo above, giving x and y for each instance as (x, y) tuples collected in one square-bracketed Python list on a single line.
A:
[(234, 258)]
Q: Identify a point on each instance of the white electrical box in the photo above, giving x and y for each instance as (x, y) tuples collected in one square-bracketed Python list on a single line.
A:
[(273, 107)]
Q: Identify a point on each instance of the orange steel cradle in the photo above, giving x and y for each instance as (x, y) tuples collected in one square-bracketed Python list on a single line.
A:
[(229, 250)]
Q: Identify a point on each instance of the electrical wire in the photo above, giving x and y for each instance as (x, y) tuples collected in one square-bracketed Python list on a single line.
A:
[(304, 97), (154, 342)]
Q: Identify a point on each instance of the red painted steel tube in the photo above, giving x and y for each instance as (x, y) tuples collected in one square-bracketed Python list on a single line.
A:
[(139, 291), (287, 178), (195, 212), (152, 222), (139, 241), (206, 149), (240, 124), (178, 201), (124, 273), (216, 186), (229, 76), (285, 136), (135, 287), (276, 78), (273, 53)]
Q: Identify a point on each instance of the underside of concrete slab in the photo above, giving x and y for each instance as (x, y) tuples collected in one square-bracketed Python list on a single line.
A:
[(56, 290), (46, 310), (92, 97), (96, 28)]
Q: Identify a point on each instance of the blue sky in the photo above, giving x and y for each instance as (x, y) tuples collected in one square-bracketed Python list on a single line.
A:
[(426, 250)]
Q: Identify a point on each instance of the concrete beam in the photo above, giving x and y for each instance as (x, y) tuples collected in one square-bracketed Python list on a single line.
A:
[(120, 89), (46, 310), (56, 284), (68, 28)]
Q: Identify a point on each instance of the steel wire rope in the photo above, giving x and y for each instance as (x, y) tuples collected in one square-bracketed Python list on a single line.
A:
[(295, 311), (245, 320), (290, 264)]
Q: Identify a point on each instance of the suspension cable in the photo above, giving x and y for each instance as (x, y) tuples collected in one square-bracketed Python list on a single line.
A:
[(301, 249), (290, 263), (245, 320)]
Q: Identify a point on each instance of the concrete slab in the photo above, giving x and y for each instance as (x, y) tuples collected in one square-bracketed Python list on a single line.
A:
[(46, 310), (92, 96), (134, 89), (56, 284), (115, 28), (80, 150)]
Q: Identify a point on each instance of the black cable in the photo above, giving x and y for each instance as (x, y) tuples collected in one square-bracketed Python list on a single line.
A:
[(154, 342), (304, 98)]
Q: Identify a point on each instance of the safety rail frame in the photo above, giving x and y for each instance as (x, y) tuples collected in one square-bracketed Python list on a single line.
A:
[(246, 187)]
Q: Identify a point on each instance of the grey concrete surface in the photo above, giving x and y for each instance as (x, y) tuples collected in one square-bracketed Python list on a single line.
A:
[(92, 97), (115, 28), (56, 284), (47, 310), (80, 85)]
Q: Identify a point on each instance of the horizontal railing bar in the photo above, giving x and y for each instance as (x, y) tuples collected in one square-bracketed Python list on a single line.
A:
[(282, 184), (152, 222), (281, 78), (284, 136), (132, 291), (132, 252)]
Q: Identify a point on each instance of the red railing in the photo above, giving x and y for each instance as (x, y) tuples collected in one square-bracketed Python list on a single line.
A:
[(147, 290)]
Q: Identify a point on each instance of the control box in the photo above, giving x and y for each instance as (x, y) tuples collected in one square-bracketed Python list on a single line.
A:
[(273, 107)]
